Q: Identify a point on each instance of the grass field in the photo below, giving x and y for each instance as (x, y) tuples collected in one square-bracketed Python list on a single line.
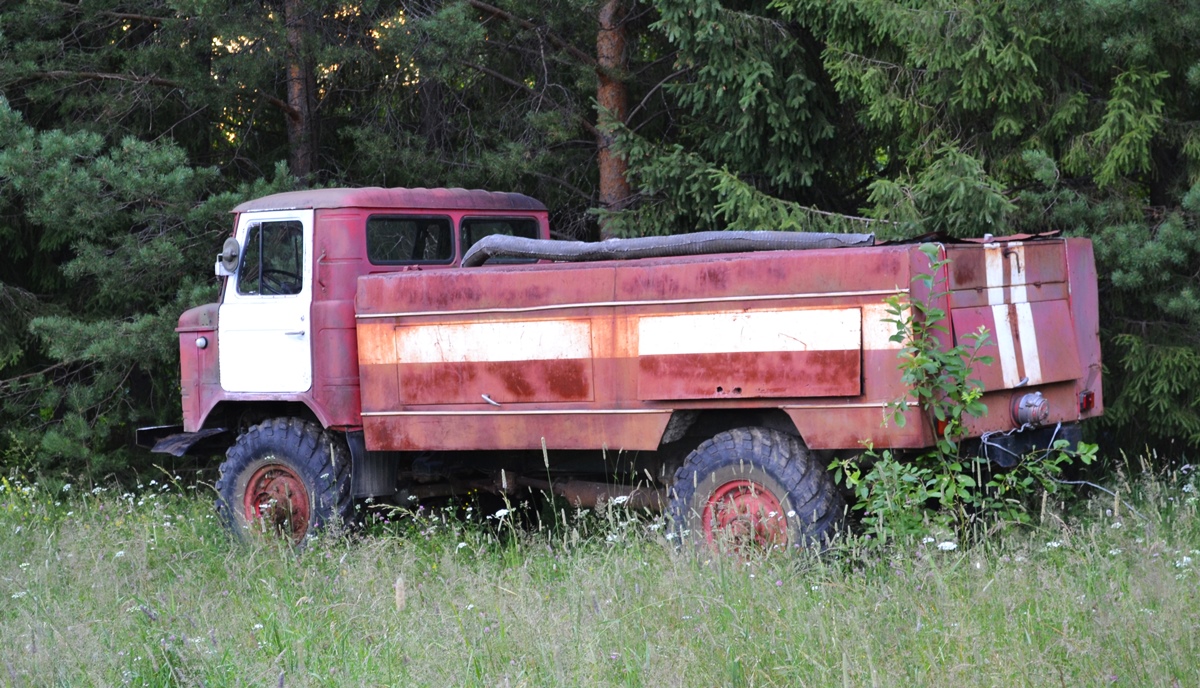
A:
[(144, 588)]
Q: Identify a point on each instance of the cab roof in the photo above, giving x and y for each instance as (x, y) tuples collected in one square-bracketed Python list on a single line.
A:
[(397, 198)]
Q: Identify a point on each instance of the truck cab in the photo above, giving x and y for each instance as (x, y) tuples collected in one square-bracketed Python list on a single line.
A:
[(281, 339)]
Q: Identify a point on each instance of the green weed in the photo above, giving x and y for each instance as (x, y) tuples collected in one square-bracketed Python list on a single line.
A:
[(143, 588)]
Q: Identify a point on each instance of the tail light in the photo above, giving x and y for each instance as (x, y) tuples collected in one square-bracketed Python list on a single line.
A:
[(1087, 401)]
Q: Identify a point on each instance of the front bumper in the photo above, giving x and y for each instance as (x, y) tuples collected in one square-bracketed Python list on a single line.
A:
[(170, 439)]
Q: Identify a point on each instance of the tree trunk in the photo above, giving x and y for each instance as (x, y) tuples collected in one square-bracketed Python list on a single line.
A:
[(301, 94), (613, 98)]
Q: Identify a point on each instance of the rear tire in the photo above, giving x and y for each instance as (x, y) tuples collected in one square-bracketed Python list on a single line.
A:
[(285, 476), (755, 488)]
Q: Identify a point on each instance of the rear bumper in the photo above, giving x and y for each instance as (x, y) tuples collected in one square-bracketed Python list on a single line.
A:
[(1006, 449)]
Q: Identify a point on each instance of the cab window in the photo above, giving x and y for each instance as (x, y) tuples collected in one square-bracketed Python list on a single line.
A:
[(476, 228), (272, 259), (394, 240)]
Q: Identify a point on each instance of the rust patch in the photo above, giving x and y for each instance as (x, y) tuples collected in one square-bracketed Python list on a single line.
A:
[(568, 379), (504, 382), (515, 431), (715, 276), (516, 383), (750, 375)]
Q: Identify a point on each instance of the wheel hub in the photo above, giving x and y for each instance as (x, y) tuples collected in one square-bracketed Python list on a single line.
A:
[(745, 513), (276, 497)]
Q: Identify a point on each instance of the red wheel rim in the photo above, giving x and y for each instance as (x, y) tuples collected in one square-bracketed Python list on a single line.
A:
[(744, 512), (276, 496)]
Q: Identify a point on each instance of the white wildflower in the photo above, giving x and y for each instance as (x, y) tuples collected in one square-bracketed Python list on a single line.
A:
[(500, 514), (926, 540), (119, 554), (1054, 544), (947, 546), (620, 500), (1116, 524)]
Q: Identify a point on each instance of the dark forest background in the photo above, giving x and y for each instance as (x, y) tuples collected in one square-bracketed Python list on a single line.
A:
[(129, 129)]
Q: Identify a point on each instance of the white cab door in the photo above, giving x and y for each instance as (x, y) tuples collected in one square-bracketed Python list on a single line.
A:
[(265, 320)]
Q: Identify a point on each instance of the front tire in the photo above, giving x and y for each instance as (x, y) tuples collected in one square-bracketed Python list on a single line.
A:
[(285, 476), (755, 488)]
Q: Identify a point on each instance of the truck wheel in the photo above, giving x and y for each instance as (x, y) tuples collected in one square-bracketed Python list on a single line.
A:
[(284, 476), (755, 488)]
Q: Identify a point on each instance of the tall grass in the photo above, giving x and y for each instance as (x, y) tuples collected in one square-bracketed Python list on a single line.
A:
[(144, 588)]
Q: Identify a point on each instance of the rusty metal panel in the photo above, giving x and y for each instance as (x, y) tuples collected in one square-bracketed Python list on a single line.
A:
[(450, 429), (1060, 397), (850, 424), (813, 272), (1055, 291), (198, 367), (499, 289), (1005, 269), (1085, 309), (393, 199), (503, 382), (487, 362), (1029, 343), (750, 354)]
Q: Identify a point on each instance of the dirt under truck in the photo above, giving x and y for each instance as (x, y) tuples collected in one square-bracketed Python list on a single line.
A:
[(359, 350)]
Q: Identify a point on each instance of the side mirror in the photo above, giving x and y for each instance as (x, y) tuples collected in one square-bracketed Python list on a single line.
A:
[(227, 260)]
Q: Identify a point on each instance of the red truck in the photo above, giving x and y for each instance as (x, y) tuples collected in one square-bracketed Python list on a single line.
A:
[(359, 351)]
